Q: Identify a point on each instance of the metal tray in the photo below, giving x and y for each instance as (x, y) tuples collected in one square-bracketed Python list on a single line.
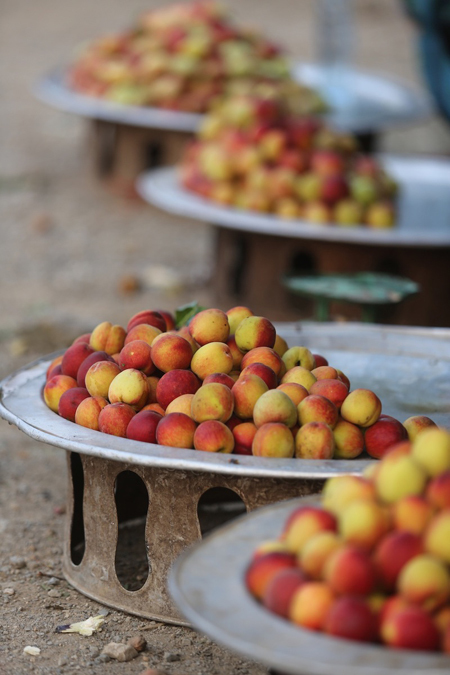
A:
[(206, 583), (409, 369), (424, 207)]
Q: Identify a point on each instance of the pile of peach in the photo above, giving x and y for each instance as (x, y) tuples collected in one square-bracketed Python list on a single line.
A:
[(371, 562), (254, 153), (226, 382)]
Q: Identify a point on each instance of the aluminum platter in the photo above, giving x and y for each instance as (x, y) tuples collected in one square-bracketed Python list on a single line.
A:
[(409, 369), (206, 583)]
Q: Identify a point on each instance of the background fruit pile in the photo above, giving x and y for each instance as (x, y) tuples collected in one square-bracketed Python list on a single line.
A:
[(224, 383), (255, 153), (184, 57), (371, 562)]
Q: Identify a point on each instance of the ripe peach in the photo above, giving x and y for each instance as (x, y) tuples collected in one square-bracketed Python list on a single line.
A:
[(181, 404), (413, 513), (221, 378), (361, 407), (264, 355), (316, 552), (273, 439), (209, 325), (279, 591), (351, 618), (410, 628), (310, 605), (324, 372), (150, 317), (152, 384), (184, 332), (129, 386), (255, 331), (263, 569), (280, 346), (55, 363), (332, 389), (155, 407), (244, 433), (171, 352), (236, 353), (437, 536), (305, 522), (107, 338), (213, 436), (320, 360), (88, 411), (213, 357), (381, 436), (416, 424), (212, 401), (174, 384), (399, 475), (314, 440), (264, 372), (424, 580), (114, 419), (142, 331), (274, 406), (299, 356), (316, 408), (55, 388), (299, 375), (363, 523), (343, 378), (431, 449), (350, 571), (236, 315), (339, 491), (142, 427), (168, 318), (392, 554), (246, 392), (348, 439), (85, 337), (296, 392), (74, 357), (176, 430), (87, 363), (138, 355), (70, 400)]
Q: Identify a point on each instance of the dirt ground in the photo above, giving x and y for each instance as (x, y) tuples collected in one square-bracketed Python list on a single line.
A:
[(68, 250)]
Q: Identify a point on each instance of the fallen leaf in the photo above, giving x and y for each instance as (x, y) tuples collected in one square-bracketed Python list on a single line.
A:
[(82, 627)]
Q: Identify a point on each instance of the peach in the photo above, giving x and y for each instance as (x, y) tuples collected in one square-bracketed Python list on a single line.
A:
[(155, 407), (437, 536), (381, 436), (114, 419), (181, 404), (399, 476), (270, 546), (324, 372), (438, 491), (314, 440), (343, 378), (274, 406), (299, 375), (55, 388), (316, 552), (143, 331), (363, 523), (264, 355), (55, 370), (273, 439), (332, 389), (339, 491), (85, 337), (280, 346), (424, 580), (129, 386), (235, 352), (244, 434), (171, 352), (361, 407), (416, 424), (74, 357), (316, 408), (88, 362), (209, 325), (184, 332), (107, 337), (410, 628), (142, 427), (149, 317), (305, 522), (88, 411), (352, 619), (137, 354), (152, 384), (320, 360), (255, 331), (263, 371), (413, 513), (236, 315), (349, 570), (348, 439), (264, 568), (70, 400), (221, 378), (246, 392), (431, 449), (174, 384), (176, 430), (392, 554), (442, 619), (310, 605), (296, 392), (213, 357), (299, 356), (213, 436), (56, 362), (168, 318), (212, 401), (280, 589)]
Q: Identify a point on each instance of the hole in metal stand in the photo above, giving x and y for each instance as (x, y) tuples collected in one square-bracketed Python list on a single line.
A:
[(131, 562), (217, 506), (77, 537)]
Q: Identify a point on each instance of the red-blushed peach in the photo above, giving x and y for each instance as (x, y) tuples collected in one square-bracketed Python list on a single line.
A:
[(410, 628), (316, 552), (88, 362), (343, 377), (352, 619), (85, 337), (86, 414), (310, 605), (316, 408), (236, 315), (361, 407), (393, 552), (270, 546), (350, 571), (324, 373), (264, 568), (332, 389), (129, 386), (55, 362), (296, 392), (246, 392), (399, 475), (431, 449), (442, 619), (274, 406), (299, 375), (348, 439), (143, 331), (425, 580), (152, 384), (114, 419), (305, 522), (174, 384), (273, 439), (235, 352), (437, 536), (176, 430), (392, 603), (214, 357), (244, 434), (437, 492), (138, 355), (155, 407), (320, 360), (386, 432), (150, 317), (209, 325), (55, 388), (339, 491), (142, 427), (55, 370), (107, 337), (264, 355), (168, 318), (212, 401), (280, 589), (415, 424), (221, 378), (263, 371), (414, 513), (314, 440), (171, 352), (233, 421), (70, 400), (255, 331), (184, 332), (299, 356), (363, 523), (181, 404), (74, 357), (213, 436), (280, 346)]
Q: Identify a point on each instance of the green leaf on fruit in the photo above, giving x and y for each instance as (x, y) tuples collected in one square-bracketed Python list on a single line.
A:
[(185, 313)]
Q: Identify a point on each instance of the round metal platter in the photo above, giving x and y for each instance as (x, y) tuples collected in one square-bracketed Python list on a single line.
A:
[(408, 368), (424, 208), (207, 584)]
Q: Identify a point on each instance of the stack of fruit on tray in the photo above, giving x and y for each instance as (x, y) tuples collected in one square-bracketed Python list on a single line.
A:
[(185, 57), (226, 382), (371, 561), (255, 153)]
